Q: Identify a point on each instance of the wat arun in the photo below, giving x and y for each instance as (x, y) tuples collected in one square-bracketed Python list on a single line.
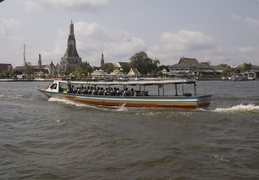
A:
[(71, 58)]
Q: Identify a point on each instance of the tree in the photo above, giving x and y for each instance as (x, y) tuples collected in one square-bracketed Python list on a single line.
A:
[(163, 67), (207, 62), (225, 65), (143, 63), (28, 68), (108, 67), (246, 67), (125, 67), (83, 68)]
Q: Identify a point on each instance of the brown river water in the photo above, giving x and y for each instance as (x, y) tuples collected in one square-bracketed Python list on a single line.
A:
[(43, 138)]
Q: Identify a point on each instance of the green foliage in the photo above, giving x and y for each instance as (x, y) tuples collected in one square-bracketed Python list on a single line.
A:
[(207, 62), (226, 72), (225, 65), (163, 67), (108, 67), (29, 70), (143, 63), (16, 72), (160, 74), (246, 67), (125, 67), (83, 68)]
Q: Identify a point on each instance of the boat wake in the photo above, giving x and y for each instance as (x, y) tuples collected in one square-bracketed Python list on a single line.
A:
[(78, 104), (249, 108), (122, 108), (67, 102), (11, 96)]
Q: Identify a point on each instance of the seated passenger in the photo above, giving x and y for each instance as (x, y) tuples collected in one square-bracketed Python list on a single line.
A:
[(79, 90), (84, 90), (125, 92), (131, 92), (69, 89), (106, 91), (100, 92), (113, 91), (74, 90), (94, 91), (118, 92), (90, 90)]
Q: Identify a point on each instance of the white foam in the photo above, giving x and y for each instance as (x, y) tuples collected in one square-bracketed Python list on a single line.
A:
[(122, 108), (78, 104), (220, 158), (11, 96), (241, 108), (67, 102)]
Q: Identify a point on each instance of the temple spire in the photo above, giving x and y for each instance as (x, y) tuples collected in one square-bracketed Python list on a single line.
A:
[(71, 29), (102, 60)]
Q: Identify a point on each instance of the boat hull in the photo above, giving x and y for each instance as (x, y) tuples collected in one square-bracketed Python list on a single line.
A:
[(186, 102)]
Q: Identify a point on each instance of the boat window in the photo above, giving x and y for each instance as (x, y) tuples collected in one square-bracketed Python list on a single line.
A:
[(53, 86), (62, 85)]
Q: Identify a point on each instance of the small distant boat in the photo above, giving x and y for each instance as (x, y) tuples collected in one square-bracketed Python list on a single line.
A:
[(106, 94), (239, 78)]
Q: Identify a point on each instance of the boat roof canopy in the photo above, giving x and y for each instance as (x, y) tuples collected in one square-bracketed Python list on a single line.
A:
[(133, 83)]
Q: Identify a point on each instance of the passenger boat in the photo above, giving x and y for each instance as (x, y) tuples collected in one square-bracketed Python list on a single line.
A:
[(130, 93)]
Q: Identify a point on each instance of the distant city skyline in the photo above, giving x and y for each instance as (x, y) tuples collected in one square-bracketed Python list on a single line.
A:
[(222, 32)]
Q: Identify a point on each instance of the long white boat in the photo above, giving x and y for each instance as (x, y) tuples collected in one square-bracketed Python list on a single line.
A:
[(131, 94)]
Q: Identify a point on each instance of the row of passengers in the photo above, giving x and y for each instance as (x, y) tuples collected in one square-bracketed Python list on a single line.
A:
[(100, 91)]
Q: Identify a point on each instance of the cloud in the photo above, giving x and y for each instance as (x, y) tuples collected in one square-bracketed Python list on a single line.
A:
[(193, 44), (10, 43), (186, 40), (92, 40), (6, 25), (249, 22), (64, 5), (247, 49)]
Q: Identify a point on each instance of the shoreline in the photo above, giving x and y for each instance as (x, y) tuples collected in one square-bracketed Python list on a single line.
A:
[(50, 80), (26, 80)]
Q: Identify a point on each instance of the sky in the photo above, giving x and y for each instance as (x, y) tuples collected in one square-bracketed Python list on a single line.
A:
[(222, 32)]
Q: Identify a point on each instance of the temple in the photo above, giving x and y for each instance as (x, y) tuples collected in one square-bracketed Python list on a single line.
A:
[(71, 58)]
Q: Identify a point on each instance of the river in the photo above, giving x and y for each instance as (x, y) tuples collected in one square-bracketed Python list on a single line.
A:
[(43, 138)]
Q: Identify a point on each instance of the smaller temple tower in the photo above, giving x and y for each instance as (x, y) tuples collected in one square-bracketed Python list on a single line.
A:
[(102, 60), (39, 62)]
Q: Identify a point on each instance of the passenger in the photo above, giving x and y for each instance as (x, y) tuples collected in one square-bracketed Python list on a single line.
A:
[(118, 92), (94, 91), (100, 92), (79, 90), (144, 93), (131, 92), (74, 90), (113, 91), (90, 90), (84, 90), (69, 89), (125, 92), (106, 92)]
